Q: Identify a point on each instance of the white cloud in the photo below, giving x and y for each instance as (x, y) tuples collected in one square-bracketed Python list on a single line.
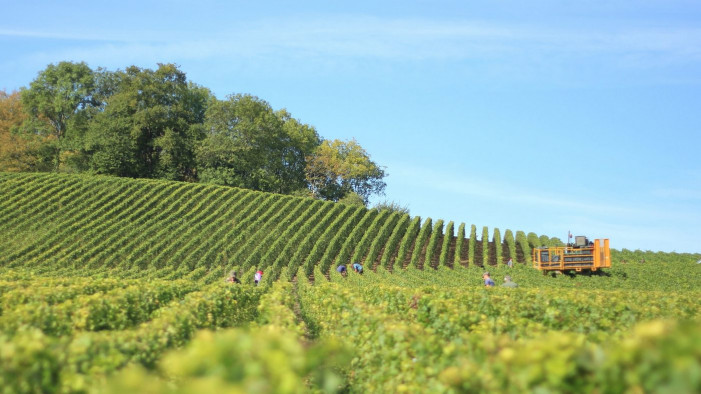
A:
[(66, 35), (314, 38), (678, 193), (649, 213), (492, 190), (654, 225)]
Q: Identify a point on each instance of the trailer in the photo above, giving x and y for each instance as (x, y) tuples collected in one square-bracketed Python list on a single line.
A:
[(582, 255)]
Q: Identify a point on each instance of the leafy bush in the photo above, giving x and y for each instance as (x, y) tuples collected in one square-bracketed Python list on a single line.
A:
[(392, 206)]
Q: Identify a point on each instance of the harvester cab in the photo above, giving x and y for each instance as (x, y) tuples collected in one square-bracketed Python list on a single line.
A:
[(578, 256)]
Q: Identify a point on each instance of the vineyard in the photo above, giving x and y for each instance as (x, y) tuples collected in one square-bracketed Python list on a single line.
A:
[(118, 285)]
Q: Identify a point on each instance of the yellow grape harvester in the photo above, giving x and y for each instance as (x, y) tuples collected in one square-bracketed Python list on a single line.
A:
[(582, 255)]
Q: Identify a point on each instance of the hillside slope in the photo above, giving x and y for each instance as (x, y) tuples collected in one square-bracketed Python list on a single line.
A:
[(89, 300), (60, 221)]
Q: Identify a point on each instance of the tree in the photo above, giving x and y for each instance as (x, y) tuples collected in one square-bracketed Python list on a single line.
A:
[(155, 124), (352, 198), (57, 104), (303, 140), (339, 167), (391, 206), (150, 124), (249, 145), (18, 152)]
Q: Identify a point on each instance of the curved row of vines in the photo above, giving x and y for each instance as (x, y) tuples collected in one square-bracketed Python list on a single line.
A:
[(170, 229)]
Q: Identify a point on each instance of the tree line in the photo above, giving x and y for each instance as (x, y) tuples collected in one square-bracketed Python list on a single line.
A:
[(145, 123)]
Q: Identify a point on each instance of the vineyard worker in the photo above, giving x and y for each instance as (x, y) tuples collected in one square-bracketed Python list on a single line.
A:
[(488, 282), (510, 263), (258, 276), (508, 282), (232, 278), (358, 268), (342, 270)]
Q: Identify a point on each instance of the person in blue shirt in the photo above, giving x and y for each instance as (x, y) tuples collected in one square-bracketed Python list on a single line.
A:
[(358, 268), (488, 282), (341, 269)]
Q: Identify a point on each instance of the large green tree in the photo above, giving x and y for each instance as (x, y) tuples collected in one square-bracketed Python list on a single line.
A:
[(155, 124), (249, 145), (58, 104), (149, 126), (337, 168)]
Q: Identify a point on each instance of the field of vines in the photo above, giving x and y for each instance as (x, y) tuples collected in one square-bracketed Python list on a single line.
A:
[(117, 285)]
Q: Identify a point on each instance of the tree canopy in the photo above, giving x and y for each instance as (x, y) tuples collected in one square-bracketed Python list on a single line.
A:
[(247, 144), (149, 126), (145, 123), (337, 168), (57, 105)]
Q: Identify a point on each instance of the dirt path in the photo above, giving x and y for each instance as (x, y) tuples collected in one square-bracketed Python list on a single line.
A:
[(309, 333)]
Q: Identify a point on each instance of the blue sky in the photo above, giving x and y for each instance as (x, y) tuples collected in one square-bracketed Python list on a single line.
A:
[(542, 116)]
